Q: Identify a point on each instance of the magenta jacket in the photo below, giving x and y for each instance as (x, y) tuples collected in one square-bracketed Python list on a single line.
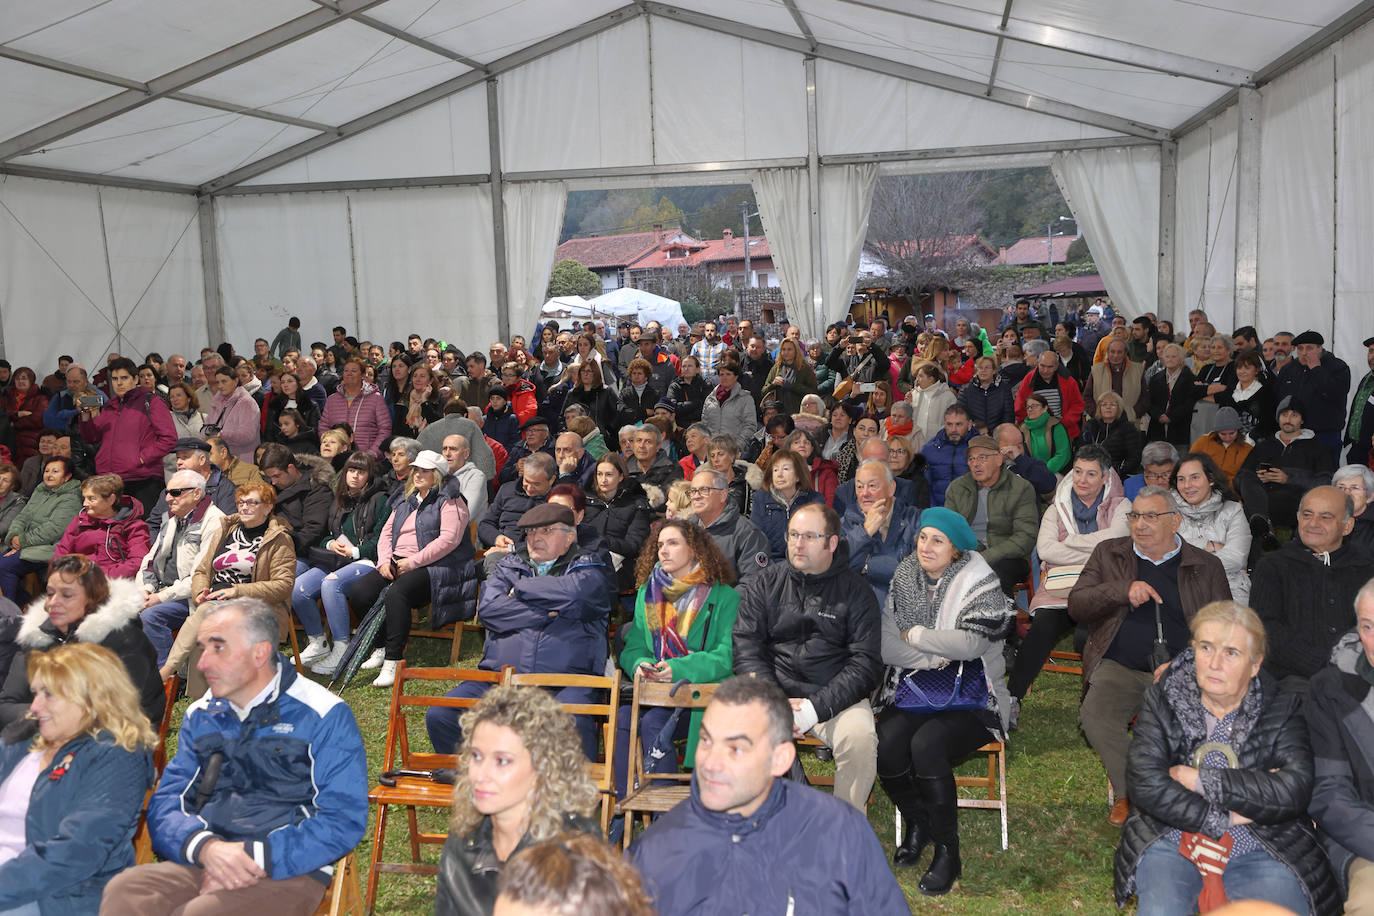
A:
[(368, 415), (117, 545), (135, 433)]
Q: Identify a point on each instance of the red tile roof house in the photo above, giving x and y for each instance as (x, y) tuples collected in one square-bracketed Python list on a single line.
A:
[(1031, 251), (608, 256), (722, 259)]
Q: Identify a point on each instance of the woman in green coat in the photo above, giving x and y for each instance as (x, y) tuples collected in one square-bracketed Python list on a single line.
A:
[(1046, 438), (39, 526), (791, 379), (683, 626)]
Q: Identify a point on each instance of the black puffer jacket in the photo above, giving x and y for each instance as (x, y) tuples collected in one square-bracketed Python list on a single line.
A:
[(1271, 785), (622, 522), (819, 637)]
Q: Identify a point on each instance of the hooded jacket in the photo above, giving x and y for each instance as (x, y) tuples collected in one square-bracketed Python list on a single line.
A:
[(819, 637), (1340, 719), (79, 826), (802, 851), (114, 624), (117, 544), (1306, 603), (735, 417), (367, 414), (1271, 784), (238, 418), (1059, 542), (44, 519)]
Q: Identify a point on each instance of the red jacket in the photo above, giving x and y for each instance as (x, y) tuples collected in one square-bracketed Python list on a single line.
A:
[(524, 401), (26, 429), (825, 478), (1072, 413), (117, 545), (135, 433)]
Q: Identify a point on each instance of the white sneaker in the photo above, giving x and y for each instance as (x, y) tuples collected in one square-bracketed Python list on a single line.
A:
[(374, 660), (318, 648), (330, 663), (387, 677)]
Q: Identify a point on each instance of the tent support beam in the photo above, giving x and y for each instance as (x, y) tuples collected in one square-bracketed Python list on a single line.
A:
[(420, 99), (1247, 208), (649, 171), (209, 265), (1001, 43), (179, 79), (365, 184), (874, 64), (1168, 216), (498, 212), (800, 20), (1059, 39), (112, 181), (996, 149), (813, 188), (419, 42)]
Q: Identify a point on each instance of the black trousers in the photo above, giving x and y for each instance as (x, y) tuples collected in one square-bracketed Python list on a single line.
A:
[(408, 591), (1011, 572), (1047, 626), (1278, 502), (926, 745)]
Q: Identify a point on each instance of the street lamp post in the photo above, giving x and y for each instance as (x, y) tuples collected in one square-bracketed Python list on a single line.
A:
[(1049, 237)]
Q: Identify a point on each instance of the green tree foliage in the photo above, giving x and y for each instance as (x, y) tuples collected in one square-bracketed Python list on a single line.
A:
[(711, 221), (665, 213), (1078, 252), (1017, 203), (569, 278)]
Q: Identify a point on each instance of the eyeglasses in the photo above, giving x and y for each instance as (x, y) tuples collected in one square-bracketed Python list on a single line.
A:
[(806, 536), (703, 491), (248, 503), (1151, 517), (1161, 476), (181, 491)]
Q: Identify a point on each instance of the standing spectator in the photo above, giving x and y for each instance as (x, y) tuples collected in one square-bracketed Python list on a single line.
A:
[(587, 389), (790, 378), (930, 398), (1171, 400), (689, 392), (233, 416), (135, 432), (729, 410), (361, 406), (1320, 380), (24, 403), (288, 338), (1059, 390), (1359, 430), (1252, 398)]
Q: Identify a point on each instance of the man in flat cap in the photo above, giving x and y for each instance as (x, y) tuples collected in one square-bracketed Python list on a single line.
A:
[(544, 608), (1360, 428), (1321, 381)]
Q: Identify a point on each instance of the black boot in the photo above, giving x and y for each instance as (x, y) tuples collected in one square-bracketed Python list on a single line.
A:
[(907, 798), (942, 805)]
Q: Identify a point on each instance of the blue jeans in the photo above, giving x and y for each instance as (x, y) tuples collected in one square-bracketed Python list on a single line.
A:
[(332, 587), (1167, 884), (160, 623), (12, 569)]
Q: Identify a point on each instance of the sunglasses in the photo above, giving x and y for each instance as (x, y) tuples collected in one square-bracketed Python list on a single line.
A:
[(180, 491)]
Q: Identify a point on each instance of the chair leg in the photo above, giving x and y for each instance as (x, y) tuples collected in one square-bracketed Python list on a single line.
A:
[(295, 648), (414, 834), (378, 838)]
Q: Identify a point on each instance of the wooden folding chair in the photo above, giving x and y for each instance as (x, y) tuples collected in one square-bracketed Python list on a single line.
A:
[(143, 842), (995, 784), (343, 897), (646, 792), (453, 632), (410, 791), (602, 772)]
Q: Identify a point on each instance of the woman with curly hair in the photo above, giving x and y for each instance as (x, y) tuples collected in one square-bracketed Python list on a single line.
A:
[(684, 620), (521, 779)]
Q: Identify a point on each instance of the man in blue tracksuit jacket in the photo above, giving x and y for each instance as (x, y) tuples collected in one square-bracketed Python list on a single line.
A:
[(268, 787)]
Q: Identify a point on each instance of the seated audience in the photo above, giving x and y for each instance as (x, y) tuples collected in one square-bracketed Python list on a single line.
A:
[(1062, 396), (930, 398), (39, 526), (879, 528), (945, 608), (987, 397), (1279, 471), (1220, 771), (729, 409), (1002, 510), (1225, 445), (290, 799), (824, 472), (465, 477), (303, 496), (739, 539), (1111, 429), (71, 832), (12, 501), (109, 529), (1158, 460), (619, 509), (83, 605), (499, 529), (804, 849), (652, 465), (570, 874), (1033, 471), (1357, 482), (946, 452), (1212, 519), (520, 780), (233, 416), (1131, 590), (1045, 437), (788, 488)]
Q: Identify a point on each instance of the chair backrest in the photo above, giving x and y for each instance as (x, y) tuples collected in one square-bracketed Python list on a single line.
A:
[(661, 694), (398, 753), (172, 686)]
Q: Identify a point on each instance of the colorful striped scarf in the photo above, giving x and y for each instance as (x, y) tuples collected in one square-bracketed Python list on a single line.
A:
[(671, 607)]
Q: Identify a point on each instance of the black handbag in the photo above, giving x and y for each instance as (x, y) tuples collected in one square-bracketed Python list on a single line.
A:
[(956, 686), (327, 559)]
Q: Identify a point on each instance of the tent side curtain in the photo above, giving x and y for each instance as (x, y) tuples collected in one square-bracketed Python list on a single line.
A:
[(91, 270), (382, 264), (1114, 196), (783, 199), (534, 218), (846, 198)]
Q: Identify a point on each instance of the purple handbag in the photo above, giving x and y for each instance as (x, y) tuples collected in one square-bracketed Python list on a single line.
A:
[(959, 685)]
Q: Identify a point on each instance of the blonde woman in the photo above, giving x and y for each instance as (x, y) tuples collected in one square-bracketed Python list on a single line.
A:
[(521, 779), (72, 777)]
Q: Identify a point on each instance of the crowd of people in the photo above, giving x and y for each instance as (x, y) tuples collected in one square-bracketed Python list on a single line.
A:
[(837, 532)]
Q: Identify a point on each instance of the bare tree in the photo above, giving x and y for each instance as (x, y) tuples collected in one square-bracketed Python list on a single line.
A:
[(923, 229)]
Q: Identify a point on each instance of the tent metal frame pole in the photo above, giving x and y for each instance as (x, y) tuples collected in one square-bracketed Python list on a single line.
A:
[(498, 212), (365, 184), (1060, 39), (997, 149), (933, 78), (813, 186), (420, 99), (1168, 217), (1247, 208), (111, 181), (209, 266), (194, 72)]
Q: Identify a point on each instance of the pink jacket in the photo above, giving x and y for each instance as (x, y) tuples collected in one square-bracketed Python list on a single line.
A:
[(368, 415), (117, 545), (135, 433), (237, 416)]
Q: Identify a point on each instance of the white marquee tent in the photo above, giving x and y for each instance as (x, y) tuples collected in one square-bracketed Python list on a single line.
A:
[(643, 305), (176, 171)]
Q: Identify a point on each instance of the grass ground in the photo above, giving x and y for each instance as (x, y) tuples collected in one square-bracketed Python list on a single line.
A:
[(1061, 845)]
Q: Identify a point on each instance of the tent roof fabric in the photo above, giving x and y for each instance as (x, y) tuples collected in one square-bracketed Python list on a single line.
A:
[(196, 93)]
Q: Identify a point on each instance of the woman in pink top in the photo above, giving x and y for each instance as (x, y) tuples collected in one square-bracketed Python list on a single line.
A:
[(424, 556)]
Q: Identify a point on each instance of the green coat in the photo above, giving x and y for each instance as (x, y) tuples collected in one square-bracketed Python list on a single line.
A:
[(790, 398), (1013, 513), (40, 524), (712, 631)]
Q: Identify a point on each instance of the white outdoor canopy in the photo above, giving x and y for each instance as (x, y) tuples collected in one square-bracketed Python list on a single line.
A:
[(646, 306), (174, 172)]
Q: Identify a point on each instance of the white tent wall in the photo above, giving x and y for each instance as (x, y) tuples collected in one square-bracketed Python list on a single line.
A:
[(380, 263), (90, 270), (1205, 244)]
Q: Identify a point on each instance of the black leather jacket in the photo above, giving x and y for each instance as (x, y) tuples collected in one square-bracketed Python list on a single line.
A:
[(469, 869)]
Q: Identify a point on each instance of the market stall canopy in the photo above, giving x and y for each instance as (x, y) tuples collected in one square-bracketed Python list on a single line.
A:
[(649, 307)]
